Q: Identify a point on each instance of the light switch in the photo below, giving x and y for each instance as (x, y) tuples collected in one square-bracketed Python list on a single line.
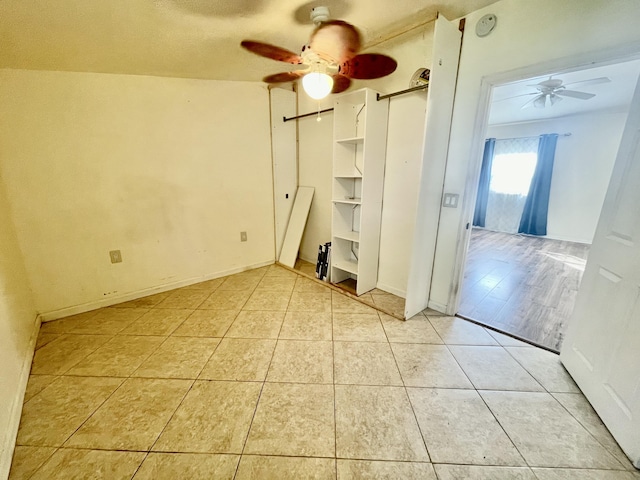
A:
[(450, 200)]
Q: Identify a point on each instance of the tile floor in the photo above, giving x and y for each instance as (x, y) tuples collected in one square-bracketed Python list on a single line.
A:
[(267, 374)]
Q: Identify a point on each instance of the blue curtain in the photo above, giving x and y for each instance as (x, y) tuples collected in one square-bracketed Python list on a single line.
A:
[(480, 214), (536, 208)]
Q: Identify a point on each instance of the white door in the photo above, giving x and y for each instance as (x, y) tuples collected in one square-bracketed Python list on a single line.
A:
[(442, 86), (601, 349)]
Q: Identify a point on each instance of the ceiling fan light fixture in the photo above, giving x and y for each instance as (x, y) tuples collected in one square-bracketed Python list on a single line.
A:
[(553, 98), (317, 84), (540, 101)]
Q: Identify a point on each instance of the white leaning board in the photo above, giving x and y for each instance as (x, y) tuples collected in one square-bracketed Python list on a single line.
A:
[(295, 229)]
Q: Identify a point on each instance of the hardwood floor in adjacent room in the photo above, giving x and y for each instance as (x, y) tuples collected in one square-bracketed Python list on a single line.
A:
[(522, 285)]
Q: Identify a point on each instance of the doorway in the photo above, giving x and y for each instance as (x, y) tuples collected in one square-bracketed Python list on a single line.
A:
[(521, 283)]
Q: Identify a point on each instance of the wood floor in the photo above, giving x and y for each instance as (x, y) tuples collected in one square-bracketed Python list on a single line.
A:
[(525, 286)]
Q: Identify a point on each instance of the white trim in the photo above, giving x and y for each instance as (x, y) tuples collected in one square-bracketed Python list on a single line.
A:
[(438, 307), (11, 434), (571, 63), (86, 307), (392, 290)]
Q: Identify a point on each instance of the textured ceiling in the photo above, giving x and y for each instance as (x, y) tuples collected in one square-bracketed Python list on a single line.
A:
[(187, 38)]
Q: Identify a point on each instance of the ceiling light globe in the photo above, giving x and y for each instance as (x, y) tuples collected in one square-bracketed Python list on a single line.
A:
[(317, 85)]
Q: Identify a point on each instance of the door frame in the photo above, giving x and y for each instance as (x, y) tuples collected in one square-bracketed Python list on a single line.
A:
[(561, 65)]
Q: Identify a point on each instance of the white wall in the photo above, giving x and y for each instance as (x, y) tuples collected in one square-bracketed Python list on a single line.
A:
[(17, 334), (169, 171), (527, 33), (404, 155), (581, 170)]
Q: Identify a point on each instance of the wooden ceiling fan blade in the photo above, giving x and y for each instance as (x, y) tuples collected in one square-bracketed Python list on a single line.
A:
[(593, 81), (335, 41), (575, 94), (284, 77), (340, 83), (271, 51), (368, 66)]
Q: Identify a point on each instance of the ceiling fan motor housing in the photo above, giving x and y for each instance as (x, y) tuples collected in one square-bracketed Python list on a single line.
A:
[(319, 15)]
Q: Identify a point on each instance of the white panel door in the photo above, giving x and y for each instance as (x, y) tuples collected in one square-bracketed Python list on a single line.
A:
[(601, 349), (442, 85)]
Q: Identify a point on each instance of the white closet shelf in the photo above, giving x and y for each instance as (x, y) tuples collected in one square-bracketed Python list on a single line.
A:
[(349, 175), (351, 140), (354, 201), (345, 265), (350, 236)]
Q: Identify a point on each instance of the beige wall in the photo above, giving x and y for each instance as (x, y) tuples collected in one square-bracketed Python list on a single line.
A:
[(527, 33), (404, 155), (17, 334), (169, 171)]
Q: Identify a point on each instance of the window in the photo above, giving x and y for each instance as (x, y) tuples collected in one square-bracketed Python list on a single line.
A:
[(514, 162)]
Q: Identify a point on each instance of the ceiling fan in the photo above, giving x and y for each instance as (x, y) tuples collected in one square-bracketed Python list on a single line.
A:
[(552, 90), (331, 58)]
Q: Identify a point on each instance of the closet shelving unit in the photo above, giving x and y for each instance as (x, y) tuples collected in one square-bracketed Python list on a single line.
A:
[(359, 150)]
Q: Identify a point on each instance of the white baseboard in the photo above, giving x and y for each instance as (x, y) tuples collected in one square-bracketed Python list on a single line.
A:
[(10, 435), (438, 307), (106, 302), (392, 290)]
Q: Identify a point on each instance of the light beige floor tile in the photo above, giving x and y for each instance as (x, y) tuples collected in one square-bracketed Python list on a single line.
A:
[(240, 359), (456, 331), (44, 338), (424, 365), (302, 361), (343, 304), (119, 357), (72, 464), (60, 355), (67, 324), (178, 357), (415, 330), (207, 323), (208, 285), (545, 367), (358, 327), (36, 384), (191, 466), (276, 284), (213, 418), (133, 417), (109, 321), (359, 469), (240, 283), (506, 340), (256, 324), (582, 474), (306, 285), (545, 433), (285, 468), (474, 472), (365, 363), (263, 301), (458, 428), (492, 368), (389, 302), (307, 326), (144, 302), (278, 271), (377, 423), (51, 417), (429, 312), (582, 411), (161, 321), (293, 419), (225, 300), (26, 460), (310, 302), (184, 298)]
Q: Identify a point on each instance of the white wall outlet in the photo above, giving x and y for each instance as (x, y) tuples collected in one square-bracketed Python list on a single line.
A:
[(243, 236), (116, 256)]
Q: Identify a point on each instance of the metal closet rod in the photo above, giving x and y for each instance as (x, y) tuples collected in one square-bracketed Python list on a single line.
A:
[(378, 97)]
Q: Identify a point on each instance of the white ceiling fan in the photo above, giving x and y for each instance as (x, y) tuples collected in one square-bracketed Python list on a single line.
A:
[(552, 90)]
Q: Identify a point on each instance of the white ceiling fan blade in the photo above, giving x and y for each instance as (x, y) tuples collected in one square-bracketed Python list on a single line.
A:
[(517, 96), (575, 94), (530, 102), (593, 81)]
